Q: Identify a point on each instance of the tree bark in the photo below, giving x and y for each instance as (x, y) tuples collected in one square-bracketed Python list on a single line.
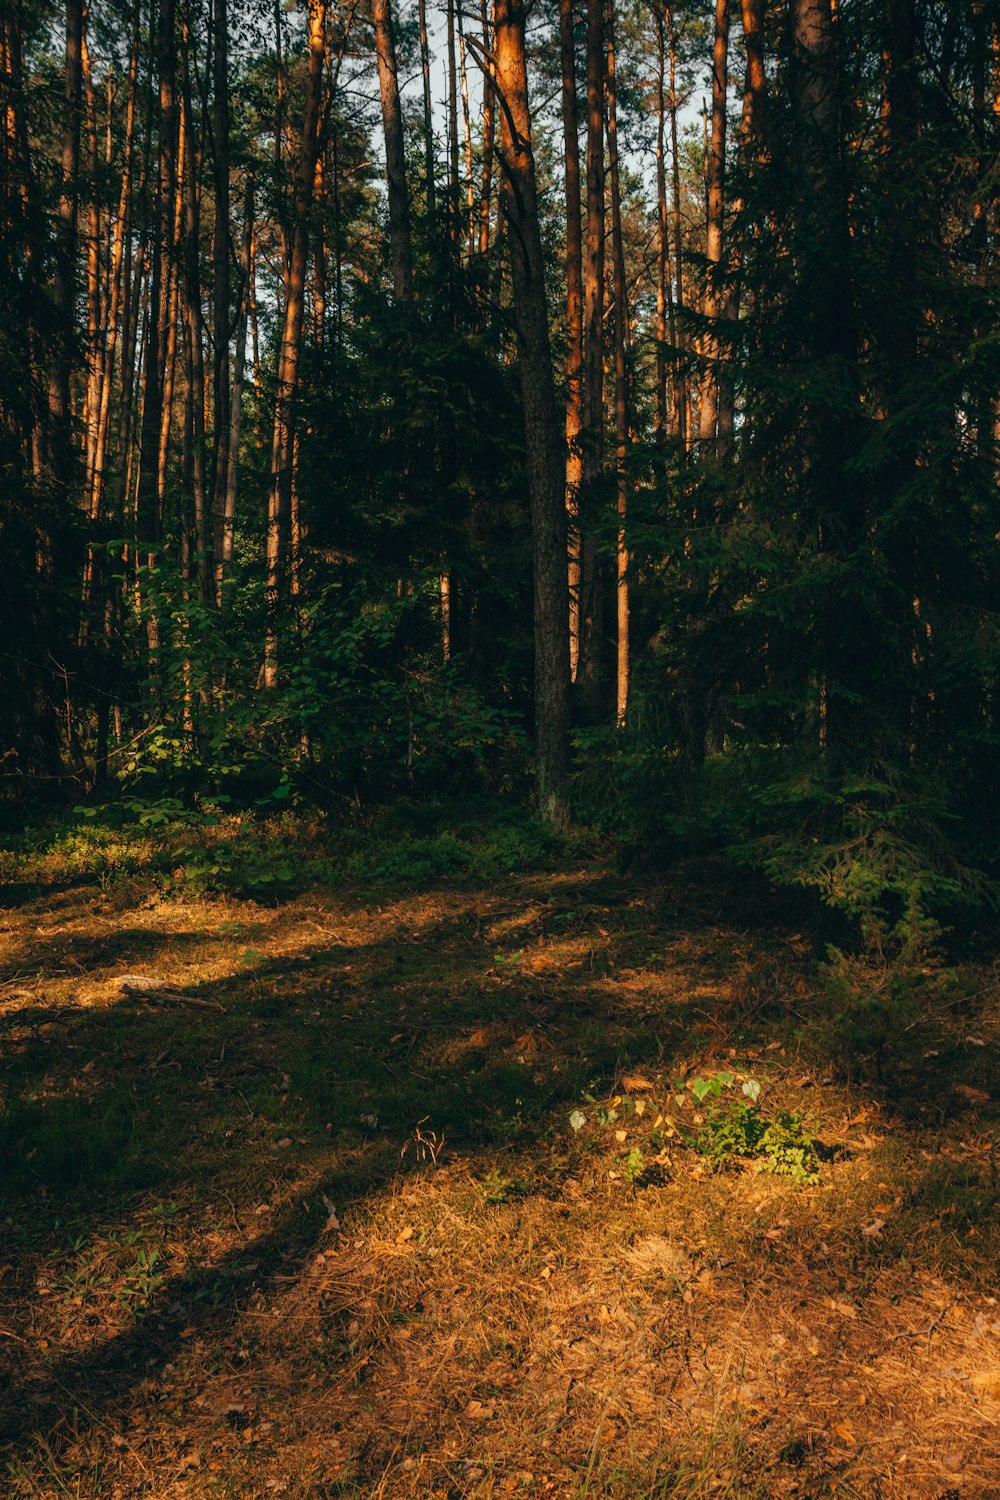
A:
[(708, 407), (681, 396), (221, 288), (590, 667), (194, 320), (425, 69), (64, 289), (224, 561), (401, 253), (574, 319), (542, 426), (489, 115), (623, 657), (280, 501)]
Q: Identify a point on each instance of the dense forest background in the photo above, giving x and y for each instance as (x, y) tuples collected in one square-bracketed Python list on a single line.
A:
[(405, 398)]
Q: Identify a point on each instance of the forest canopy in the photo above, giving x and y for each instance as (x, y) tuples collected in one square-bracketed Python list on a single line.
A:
[(399, 398)]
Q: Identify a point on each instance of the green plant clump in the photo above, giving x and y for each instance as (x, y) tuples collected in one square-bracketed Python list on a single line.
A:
[(739, 1131)]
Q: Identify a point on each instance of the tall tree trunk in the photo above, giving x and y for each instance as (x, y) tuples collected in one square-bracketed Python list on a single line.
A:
[(826, 294), (162, 257), (574, 318), (663, 300), (542, 425), (221, 290), (64, 289), (752, 120), (395, 154), (279, 143), (118, 277), (623, 657), (191, 296), (590, 665), (224, 561), (453, 169), (171, 328), (715, 210), (425, 70), (320, 255), (282, 447), (95, 321), (489, 118), (470, 189), (681, 400)]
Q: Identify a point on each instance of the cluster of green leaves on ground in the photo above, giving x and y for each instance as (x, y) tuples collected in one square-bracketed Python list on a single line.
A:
[(728, 1129)]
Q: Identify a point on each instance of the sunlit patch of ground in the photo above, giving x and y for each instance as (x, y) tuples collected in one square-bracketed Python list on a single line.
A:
[(330, 1232)]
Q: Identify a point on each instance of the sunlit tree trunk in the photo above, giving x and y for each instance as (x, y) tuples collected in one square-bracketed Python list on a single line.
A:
[(680, 393), (574, 318), (711, 348), (752, 121), (542, 425), (279, 142), (160, 287), (221, 290), (453, 166), (92, 258), (590, 666), (489, 126), (118, 278), (664, 306), (470, 187), (623, 656), (190, 283)]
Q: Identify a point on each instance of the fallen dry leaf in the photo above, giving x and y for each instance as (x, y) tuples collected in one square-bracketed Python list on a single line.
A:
[(970, 1095)]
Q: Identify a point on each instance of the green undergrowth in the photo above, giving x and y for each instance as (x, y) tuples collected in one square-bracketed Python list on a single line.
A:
[(716, 1117), (207, 847)]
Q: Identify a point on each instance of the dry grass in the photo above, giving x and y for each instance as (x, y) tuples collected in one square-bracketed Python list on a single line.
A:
[(491, 1308)]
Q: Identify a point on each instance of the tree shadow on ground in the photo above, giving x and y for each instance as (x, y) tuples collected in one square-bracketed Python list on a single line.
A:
[(448, 1019)]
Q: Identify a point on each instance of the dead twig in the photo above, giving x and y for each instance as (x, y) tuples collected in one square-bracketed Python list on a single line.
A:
[(161, 992)]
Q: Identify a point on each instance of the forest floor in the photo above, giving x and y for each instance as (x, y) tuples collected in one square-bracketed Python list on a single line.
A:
[(325, 1227)]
